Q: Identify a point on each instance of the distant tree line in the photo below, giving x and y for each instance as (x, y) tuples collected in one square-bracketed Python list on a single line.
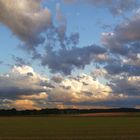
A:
[(55, 111)]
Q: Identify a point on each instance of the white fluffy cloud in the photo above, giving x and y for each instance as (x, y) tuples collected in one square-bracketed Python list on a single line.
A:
[(81, 88), (26, 19), (23, 88), (27, 89), (21, 80)]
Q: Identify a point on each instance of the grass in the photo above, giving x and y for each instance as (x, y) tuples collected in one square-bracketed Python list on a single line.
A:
[(70, 128)]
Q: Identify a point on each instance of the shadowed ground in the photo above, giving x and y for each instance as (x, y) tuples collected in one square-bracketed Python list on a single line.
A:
[(70, 128)]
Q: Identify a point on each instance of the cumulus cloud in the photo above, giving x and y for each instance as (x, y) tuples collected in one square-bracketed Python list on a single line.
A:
[(65, 60), (115, 68), (42, 95), (119, 59), (5, 103), (123, 45), (127, 85), (123, 68), (125, 37), (26, 19), (57, 78), (22, 88), (75, 91), (21, 80), (24, 105)]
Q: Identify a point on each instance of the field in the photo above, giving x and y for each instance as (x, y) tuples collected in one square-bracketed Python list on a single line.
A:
[(70, 128)]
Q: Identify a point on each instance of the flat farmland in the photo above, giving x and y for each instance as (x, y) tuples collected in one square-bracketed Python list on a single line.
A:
[(70, 128)]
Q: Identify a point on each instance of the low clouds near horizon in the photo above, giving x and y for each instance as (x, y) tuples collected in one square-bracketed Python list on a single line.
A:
[(23, 88), (113, 79)]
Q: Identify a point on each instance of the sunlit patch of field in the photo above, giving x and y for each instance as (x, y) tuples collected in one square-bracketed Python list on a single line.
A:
[(111, 114), (70, 128)]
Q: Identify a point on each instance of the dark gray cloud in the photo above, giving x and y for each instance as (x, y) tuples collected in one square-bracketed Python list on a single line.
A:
[(130, 102), (65, 60), (20, 61), (125, 37), (123, 44), (124, 51), (57, 78), (116, 68), (16, 92), (5, 104), (127, 85)]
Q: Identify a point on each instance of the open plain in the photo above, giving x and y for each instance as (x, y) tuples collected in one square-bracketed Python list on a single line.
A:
[(70, 128)]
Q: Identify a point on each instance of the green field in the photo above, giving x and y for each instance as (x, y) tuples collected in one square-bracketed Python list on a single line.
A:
[(69, 128)]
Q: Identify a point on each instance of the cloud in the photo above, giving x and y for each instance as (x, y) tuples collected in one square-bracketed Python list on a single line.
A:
[(20, 61), (127, 85), (125, 37), (23, 88), (5, 103), (24, 105), (26, 19), (65, 60), (131, 102), (21, 80), (57, 78), (118, 60), (115, 68), (41, 95), (123, 68), (123, 45), (79, 88)]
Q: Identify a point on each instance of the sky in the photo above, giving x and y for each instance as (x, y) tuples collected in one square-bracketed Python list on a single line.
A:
[(69, 54)]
